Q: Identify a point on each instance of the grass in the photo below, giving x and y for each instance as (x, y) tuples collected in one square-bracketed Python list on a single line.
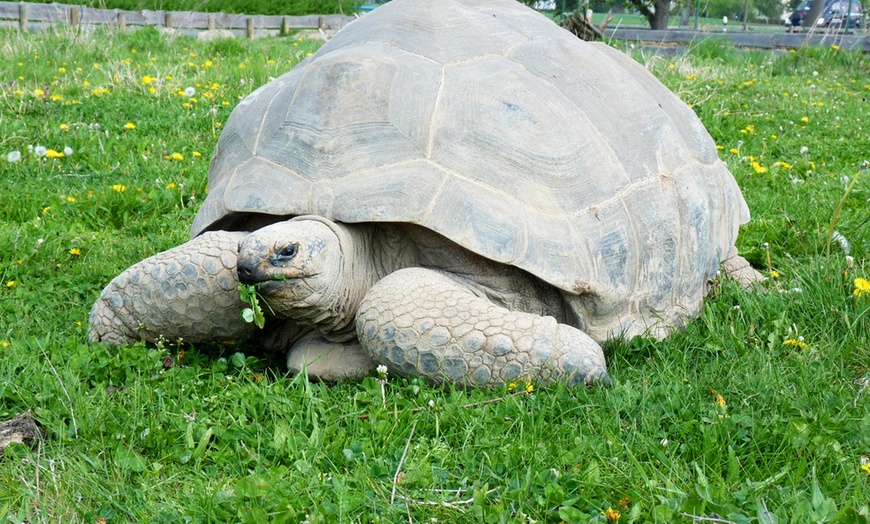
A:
[(756, 413)]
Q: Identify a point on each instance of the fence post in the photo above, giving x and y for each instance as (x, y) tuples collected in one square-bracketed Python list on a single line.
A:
[(250, 27), (321, 22), (285, 26), (167, 20), (74, 17), (122, 21), (211, 23), (23, 24)]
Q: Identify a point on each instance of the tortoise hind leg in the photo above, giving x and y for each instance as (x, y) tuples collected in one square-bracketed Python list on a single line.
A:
[(188, 292), (421, 322), (738, 269)]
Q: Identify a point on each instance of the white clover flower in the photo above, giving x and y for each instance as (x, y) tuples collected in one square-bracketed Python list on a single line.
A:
[(815, 73), (189, 92), (39, 150), (850, 260), (14, 156), (67, 151), (29, 148), (664, 442), (382, 370), (842, 241)]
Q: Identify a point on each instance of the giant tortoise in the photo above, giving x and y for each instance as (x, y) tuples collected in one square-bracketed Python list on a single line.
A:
[(456, 189)]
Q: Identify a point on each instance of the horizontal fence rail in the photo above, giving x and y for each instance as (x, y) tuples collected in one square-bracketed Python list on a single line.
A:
[(28, 17)]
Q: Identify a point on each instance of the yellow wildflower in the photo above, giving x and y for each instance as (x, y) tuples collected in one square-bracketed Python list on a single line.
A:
[(835, 47), (70, 199), (774, 273), (129, 126), (758, 168), (864, 467), (197, 154), (119, 188), (719, 148), (612, 515), (100, 91), (529, 388), (75, 252), (862, 287), (512, 386), (174, 156), (4, 344), (171, 185), (720, 401), (796, 342), (51, 153), (805, 120), (64, 127), (10, 284), (46, 209), (38, 92), (242, 66), (734, 151)]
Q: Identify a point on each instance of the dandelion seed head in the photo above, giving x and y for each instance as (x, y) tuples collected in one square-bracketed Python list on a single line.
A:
[(13, 156), (39, 151)]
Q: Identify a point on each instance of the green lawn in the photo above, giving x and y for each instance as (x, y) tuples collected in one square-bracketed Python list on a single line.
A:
[(756, 412)]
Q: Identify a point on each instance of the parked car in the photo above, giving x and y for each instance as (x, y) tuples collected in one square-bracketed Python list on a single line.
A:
[(838, 13), (833, 14)]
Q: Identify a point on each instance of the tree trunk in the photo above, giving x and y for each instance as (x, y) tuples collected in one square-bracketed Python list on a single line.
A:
[(658, 15), (815, 11)]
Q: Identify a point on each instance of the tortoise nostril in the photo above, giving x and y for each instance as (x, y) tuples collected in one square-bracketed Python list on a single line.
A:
[(246, 275)]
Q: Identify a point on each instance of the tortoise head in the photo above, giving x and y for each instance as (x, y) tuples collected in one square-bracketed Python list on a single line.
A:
[(298, 267)]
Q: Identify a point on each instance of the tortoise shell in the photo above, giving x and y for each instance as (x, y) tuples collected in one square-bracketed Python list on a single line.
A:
[(485, 122)]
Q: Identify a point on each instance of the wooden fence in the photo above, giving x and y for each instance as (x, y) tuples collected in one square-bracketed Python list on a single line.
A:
[(28, 17)]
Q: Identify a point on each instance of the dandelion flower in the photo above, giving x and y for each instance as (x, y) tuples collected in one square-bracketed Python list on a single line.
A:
[(13, 156), (174, 156), (864, 467), (67, 151), (805, 120), (38, 93), (774, 273), (189, 91), (796, 342), (720, 401), (71, 199), (734, 151), (197, 154), (129, 126), (51, 153), (612, 515), (75, 252), (64, 127), (171, 185), (119, 188), (4, 344), (862, 287), (39, 151), (10, 284)]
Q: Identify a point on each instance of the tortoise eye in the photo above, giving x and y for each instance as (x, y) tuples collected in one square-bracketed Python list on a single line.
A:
[(288, 252)]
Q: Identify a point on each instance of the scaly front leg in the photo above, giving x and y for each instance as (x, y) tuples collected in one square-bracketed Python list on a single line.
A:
[(421, 322), (189, 292)]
